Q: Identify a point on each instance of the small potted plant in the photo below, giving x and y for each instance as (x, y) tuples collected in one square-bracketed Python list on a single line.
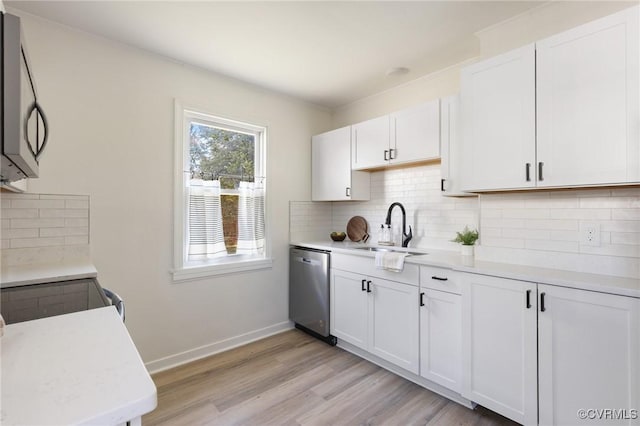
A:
[(468, 238)]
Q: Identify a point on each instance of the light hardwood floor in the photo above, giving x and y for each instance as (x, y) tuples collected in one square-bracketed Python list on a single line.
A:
[(294, 379)]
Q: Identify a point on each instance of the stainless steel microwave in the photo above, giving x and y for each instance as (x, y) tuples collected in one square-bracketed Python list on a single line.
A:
[(24, 124)]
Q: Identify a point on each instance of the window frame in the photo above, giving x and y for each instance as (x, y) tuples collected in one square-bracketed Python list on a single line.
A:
[(183, 270)]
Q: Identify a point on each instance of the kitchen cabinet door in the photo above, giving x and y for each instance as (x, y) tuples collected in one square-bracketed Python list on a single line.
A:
[(415, 134), (394, 322), (587, 110), (348, 304), (331, 176), (588, 348), (498, 111), (499, 345), (441, 338), (450, 151), (370, 143)]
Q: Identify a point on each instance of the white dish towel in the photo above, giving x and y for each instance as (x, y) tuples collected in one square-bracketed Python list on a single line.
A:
[(390, 261)]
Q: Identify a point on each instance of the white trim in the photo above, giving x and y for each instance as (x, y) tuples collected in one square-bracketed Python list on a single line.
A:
[(210, 270), (181, 270), (419, 380), (195, 354)]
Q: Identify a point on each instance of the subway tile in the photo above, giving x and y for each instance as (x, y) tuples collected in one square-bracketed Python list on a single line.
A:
[(19, 213), (632, 238), (549, 245), (502, 223), (5, 223), (552, 224), (63, 197), (65, 213), (19, 196), (37, 223), (5, 203), (63, 232), (595, 214), (20, 233), (525, 213), (562, 235), (76, 204), (622, 250), (36, 242), (620, 225), (37, 204), (76, 222), (528, 234), (609, 203), (502, 242), (625, 214)]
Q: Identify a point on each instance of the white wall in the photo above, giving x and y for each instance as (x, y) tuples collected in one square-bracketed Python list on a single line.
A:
[(111, 109), (508, 232)]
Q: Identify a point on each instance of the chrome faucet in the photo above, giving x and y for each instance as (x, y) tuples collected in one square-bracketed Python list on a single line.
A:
[(405, 237)]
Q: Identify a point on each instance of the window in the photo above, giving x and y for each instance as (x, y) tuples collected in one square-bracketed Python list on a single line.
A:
[(220, 222)]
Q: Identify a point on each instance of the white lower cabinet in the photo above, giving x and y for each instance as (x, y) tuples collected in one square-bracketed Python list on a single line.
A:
[(537, 353), (588, 357), (377, 315), (499, 345)]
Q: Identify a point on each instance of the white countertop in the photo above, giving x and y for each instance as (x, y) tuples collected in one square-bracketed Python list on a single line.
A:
[(13, 276), (79, 368), (453, 260)]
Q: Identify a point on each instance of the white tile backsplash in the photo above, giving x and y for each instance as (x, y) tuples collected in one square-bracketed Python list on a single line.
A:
[(537, 228), (44, 228), (544, 228)]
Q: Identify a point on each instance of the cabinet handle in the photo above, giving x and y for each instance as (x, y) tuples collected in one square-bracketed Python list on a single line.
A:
[(442, 185), (347, 192), (391, 156), (528, 299), (439, 278), (542, 308), (540, 164), (386, 155), (363, 289), (421, 299), (368, 286), (528, 172)]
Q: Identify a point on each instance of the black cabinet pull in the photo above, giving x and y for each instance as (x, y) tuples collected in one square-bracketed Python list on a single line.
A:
[(442, 185), (363, 289), (528, 172), (391, 156), (439, 278), (542, 308), (421, 299), (368, 286), (347, 192), (528, 299), (386, 155), (540, 164)]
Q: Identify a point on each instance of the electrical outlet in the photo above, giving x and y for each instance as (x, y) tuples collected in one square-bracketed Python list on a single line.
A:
[(590, 234)]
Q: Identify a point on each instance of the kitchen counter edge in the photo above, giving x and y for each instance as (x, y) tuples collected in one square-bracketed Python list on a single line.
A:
[(453, 260)]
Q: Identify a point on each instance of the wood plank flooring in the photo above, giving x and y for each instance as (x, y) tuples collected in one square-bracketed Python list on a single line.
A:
[(293, 379)]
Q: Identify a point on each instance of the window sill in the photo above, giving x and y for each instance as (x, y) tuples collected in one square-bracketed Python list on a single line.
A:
[(195, 272)]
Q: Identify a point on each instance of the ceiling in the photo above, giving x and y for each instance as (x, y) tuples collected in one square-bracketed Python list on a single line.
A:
[(327, 53)]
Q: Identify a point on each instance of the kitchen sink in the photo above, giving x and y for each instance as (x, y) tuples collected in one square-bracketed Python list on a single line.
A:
[(383, 249)]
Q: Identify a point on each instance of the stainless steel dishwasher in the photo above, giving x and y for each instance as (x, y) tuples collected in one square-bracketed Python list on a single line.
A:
[(309, 291)]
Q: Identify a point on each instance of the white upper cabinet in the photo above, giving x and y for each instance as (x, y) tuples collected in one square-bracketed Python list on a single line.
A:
[(403, 137), (450, 150), (415, 133), (587, 105), (498, 111), (563, 112), (331, 176), (370, 144)]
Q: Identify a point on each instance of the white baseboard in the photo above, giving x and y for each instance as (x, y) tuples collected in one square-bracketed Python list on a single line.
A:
[(216, 347), (419, 380)]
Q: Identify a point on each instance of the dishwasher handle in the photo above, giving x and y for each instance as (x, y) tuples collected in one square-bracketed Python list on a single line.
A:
[(116, 301), (306, 261)]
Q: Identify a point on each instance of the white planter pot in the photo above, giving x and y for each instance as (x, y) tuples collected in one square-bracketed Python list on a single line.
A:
[(466, 250)]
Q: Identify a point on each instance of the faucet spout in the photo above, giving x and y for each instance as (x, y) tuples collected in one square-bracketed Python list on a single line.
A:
[(406, 237)]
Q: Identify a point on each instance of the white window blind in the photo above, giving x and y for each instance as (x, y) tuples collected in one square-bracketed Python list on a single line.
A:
[(205, 237), (251, 218)]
